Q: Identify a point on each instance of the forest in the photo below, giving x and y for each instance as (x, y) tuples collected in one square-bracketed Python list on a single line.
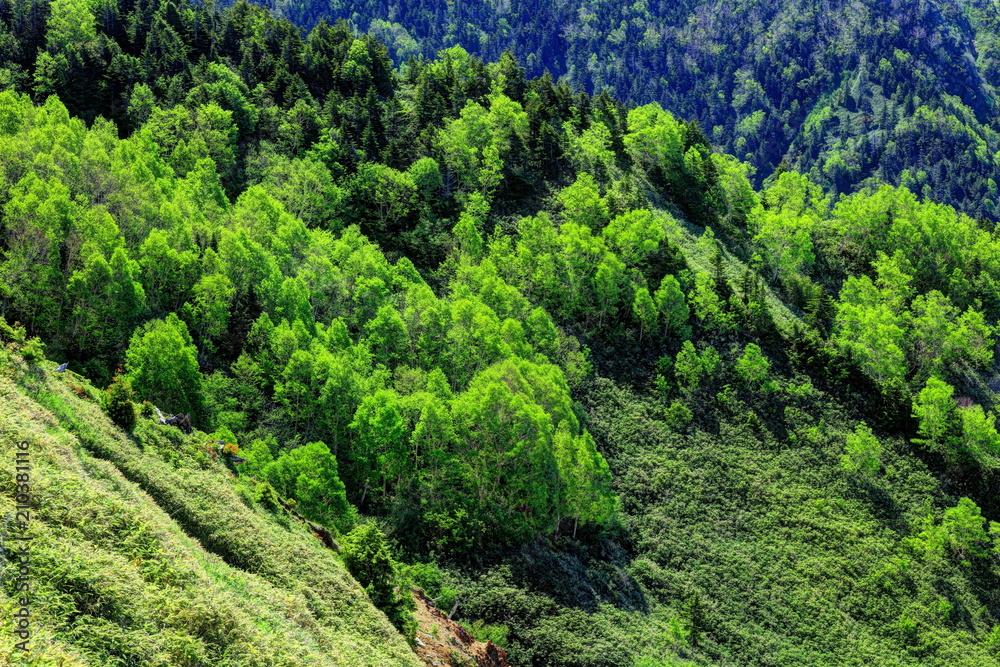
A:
[(607, 393), (852, 92)]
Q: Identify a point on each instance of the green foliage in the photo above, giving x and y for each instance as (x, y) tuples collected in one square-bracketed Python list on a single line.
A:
[(117, 402), (129, 539), (645, 311), (752, 367), (935, 408), (484, 632), (672, 306), (693, 369), (784, 223), (678, 415), (979, 434), (440, 280), (308, 474), (964, 525), (863, 452), (366, 555), (161, 363), (708, 307), (583, 204)]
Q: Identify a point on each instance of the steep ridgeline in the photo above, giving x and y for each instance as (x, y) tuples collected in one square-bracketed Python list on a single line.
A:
[(142, 552), (553, 359), (849, 91)]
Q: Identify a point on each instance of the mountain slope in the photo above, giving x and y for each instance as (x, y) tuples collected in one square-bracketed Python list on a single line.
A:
[(849, 91), (616, 404), (143, 553)]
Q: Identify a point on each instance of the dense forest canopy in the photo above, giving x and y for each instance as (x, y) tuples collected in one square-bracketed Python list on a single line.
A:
[(851, 91), (587, 375)]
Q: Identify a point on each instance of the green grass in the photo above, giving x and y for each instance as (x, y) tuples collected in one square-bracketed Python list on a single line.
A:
[(686, 235), (145, 554)]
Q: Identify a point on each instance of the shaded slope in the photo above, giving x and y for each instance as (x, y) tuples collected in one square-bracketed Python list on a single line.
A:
[(747, 544)]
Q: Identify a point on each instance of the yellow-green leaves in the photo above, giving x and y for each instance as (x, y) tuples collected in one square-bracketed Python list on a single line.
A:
[(752, 367), (583, 203), (655, 138), (895, 335), (635, 235), (162, 364), (863, 452), (935, 408)]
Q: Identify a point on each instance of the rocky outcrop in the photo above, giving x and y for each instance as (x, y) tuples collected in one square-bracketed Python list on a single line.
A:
[(442, 642)]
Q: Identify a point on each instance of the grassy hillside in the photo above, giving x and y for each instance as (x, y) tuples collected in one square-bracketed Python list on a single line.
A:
[(744, 538), (144, 554)]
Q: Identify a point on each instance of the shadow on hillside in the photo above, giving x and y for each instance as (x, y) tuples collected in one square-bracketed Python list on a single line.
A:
[(884, 506), (581, 573)]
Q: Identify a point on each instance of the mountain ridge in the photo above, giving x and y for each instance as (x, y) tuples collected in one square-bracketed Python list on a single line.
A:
[(829, 87)]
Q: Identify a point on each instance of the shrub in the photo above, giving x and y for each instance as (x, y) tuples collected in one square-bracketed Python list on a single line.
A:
[(367, 557), (484, 632), (117, 403), (678, 415)]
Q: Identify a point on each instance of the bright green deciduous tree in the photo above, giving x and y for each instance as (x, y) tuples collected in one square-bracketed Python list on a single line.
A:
[(784, 223), (166, 273), (209, 308), (306, 189), (707, 305), (940, 335), (687, 366), (787, 243), (309, 475), (635, 235), (863, 452), (387, 336), (645, 312), (753, 367), (392, 193), (608, 282), (654, 138), (964, 526), (470, 240), (107, 300), (672, 305), (380, 452), (935, 407), (426, 175), (584, 489), (186, 136), (979, 432), (590, 150), (872, 319), (162, 364), (583, 204)]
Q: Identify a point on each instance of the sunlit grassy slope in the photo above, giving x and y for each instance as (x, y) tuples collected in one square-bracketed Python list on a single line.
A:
[(144, 554)]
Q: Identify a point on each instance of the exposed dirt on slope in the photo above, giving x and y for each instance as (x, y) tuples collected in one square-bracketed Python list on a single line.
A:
[(442, 642)]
